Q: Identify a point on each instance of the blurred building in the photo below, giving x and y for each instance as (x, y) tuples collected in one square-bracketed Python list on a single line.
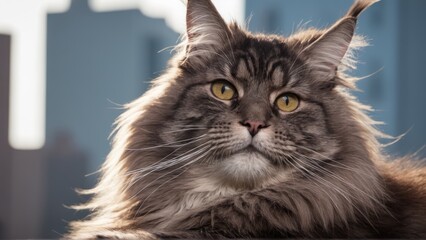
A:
[(97, 61), (394, 57), (5, 149)]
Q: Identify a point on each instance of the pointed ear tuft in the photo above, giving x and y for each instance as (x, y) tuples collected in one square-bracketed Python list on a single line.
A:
[(206, 30), (359, 6), (327, 53)]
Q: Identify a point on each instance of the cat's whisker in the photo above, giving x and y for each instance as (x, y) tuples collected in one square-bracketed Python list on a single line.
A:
[(221, 141), (307, 173), (336, 163), (171, 144), (197, 158), (188, 156), (189, 126), (159, 165), (185, 130), (300, 163), (176, 160), (319, 167), (174, 170), (163, 164)]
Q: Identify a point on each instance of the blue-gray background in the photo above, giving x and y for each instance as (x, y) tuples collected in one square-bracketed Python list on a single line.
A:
[(97, 61)]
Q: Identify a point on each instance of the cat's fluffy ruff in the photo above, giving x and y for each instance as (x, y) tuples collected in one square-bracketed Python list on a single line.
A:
[(325, 175)]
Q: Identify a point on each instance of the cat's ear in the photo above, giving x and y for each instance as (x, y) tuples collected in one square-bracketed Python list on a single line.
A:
[(326, 53), (205, 28)]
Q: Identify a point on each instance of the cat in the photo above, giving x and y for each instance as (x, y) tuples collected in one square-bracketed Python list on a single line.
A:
[(252, 136)]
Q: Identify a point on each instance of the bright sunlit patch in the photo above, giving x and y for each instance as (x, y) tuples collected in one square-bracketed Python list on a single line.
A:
[(173, 11), (25, 21), (113, 5)]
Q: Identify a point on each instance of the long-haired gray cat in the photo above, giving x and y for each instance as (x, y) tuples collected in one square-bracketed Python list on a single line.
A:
[(251, 135)]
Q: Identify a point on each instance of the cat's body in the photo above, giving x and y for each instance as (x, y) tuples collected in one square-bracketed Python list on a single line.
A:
[(254, 136)]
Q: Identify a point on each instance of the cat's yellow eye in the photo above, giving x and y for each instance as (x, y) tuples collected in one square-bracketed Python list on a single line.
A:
[(223, 90), (287, 102)]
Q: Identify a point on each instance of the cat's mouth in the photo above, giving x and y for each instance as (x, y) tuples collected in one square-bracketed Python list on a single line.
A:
[(250, 149)]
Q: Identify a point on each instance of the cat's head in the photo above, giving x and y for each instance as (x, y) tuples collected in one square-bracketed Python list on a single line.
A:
[(246, 108)]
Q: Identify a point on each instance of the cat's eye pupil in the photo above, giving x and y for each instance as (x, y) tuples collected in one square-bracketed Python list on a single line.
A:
[(287, 100), (223, 89)]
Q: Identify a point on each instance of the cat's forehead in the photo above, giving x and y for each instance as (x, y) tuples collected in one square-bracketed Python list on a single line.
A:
[(263, 59)]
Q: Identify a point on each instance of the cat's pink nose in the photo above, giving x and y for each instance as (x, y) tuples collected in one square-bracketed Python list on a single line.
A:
[(253, 126)]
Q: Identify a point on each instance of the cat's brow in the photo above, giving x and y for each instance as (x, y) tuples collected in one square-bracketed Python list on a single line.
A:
[(244, 67), (275, 72), (243, 70)]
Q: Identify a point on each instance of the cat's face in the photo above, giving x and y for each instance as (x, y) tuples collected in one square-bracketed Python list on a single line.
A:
[(246, 108), (257, 108)]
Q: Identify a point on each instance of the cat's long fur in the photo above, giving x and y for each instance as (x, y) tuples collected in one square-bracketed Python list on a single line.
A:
[(172, 171)]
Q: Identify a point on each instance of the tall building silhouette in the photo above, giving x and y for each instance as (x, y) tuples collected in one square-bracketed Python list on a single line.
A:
[(96, 61), (5, 149)]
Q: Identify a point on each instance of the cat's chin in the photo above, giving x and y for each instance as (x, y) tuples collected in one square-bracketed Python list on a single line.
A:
[(246, 169)]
